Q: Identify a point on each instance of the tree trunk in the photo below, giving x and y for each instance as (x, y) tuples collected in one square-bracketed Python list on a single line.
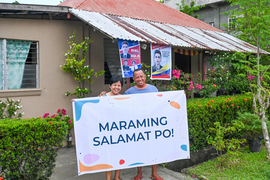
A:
[(265, 135)]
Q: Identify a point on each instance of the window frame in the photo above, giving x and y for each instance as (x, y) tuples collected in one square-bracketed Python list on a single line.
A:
[(230, 25), (212, 24), (5, 92)]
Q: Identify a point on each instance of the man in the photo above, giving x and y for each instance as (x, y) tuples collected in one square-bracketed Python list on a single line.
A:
[(139, 78), (125, 48), (125, 66), (141, 87), (134, 66), (157, 59)]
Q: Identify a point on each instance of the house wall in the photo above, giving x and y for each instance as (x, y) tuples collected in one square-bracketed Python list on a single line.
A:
[(215, 15), (196, 65), (53, 81)]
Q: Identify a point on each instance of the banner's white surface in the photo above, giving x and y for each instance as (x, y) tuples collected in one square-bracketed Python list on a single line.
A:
[(118, 132)]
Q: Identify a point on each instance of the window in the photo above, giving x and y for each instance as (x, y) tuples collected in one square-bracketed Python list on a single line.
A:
[(112, 65), (18, 64), (211, 24), (231, 23), (201, 19)]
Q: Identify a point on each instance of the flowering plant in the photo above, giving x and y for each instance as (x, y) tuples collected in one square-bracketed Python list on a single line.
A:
[(181, 81), (75, 59), (9, 109), (61, 115), (226, 73)]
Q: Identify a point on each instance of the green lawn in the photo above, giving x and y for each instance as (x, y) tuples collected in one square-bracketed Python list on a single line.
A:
[(248, 166)]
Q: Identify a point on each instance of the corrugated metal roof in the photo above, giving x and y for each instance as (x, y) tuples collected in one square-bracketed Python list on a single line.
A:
[(161, 33), (149, 10)]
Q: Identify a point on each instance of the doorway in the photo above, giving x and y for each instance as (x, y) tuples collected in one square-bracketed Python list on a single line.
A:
[(183, 62)]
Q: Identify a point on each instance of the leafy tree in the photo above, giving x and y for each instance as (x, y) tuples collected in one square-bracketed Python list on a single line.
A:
[(15, 2), (252, 25), (75, 58), (189, 9)]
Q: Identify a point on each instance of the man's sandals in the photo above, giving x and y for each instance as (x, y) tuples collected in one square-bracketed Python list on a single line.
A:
[(159, 178), (137, 178)]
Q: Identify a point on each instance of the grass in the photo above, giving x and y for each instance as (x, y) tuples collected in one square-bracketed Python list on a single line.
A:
[(248, 166)]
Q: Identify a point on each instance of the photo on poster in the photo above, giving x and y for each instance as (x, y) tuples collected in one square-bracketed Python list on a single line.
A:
[(160, 61), (130, 56)]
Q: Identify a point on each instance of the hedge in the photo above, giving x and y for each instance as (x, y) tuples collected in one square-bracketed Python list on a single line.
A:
[(204, 112), (28, 147)]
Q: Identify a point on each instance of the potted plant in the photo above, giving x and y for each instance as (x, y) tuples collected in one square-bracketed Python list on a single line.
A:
[(209, 89), (252, 130)]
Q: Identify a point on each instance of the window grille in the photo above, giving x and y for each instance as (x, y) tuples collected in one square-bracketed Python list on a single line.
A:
[(231, 23), (112, 65), (19, 64)]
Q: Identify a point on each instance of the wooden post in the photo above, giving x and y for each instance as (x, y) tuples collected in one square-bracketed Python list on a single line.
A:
[(128, 83), (203, 66)]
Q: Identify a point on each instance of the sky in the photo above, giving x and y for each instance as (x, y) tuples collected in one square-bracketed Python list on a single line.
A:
[(43, 2)]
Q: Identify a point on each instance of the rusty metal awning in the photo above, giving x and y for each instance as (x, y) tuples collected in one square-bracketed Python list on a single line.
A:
[(117, 27)]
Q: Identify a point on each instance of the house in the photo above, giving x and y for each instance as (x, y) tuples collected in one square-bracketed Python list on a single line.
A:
[(42, 33)]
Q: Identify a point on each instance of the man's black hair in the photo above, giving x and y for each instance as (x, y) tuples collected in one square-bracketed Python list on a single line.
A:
[(157, 51), (138, 70), (125, 42)]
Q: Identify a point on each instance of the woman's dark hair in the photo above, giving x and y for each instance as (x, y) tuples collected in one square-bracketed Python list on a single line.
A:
[(115, 79)]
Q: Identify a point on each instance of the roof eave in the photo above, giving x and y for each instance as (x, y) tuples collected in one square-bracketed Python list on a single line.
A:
[(31, 7)]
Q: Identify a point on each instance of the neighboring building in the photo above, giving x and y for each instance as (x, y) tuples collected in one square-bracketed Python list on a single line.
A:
[(41, 33), (212, 12)]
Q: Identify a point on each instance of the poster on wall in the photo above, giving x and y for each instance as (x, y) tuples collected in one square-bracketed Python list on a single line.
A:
[(130, 56), (110, 135), (161, 61)]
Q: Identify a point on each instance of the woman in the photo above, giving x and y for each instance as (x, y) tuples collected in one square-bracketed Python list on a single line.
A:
[(116, 84)]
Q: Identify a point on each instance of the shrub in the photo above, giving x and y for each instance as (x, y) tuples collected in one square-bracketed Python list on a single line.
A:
[(221, 139), (253, 125), (204, 112), (28, 147)]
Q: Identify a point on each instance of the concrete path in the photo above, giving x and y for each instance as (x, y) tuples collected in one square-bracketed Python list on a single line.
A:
[(66, 169)]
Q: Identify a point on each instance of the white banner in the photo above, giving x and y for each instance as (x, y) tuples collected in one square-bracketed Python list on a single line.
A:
[(126, 131)]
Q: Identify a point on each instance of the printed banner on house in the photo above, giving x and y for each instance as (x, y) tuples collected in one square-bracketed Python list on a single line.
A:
[(130, 56), (126, 131), (161, 61)]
